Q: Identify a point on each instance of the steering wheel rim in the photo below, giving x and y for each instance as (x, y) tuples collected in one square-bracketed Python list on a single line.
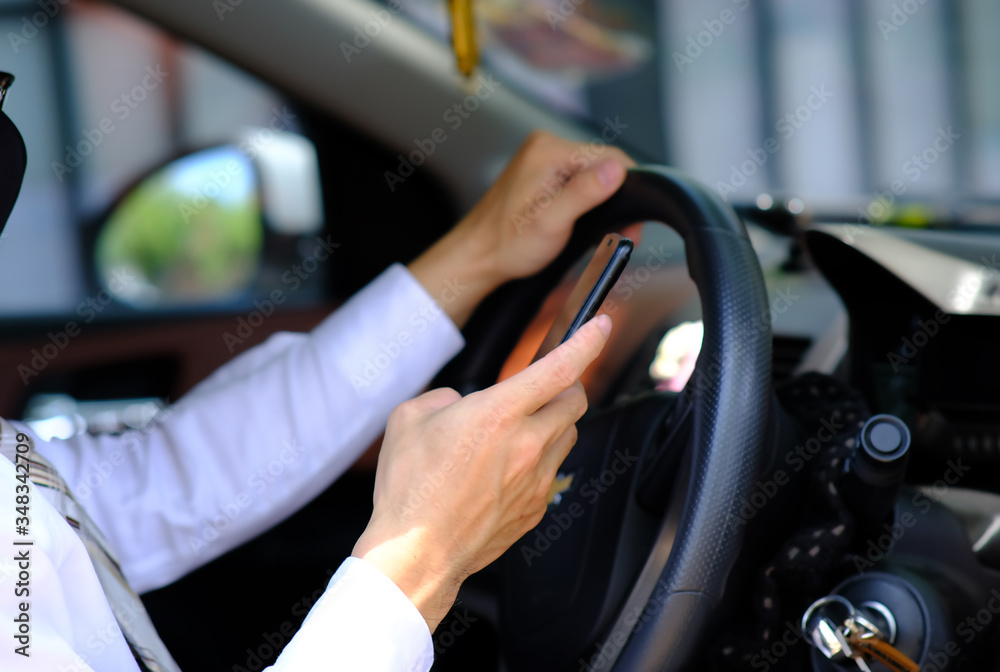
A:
[(730, 390)]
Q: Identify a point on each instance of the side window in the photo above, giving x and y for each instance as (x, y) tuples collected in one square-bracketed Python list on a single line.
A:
[(158, 173)]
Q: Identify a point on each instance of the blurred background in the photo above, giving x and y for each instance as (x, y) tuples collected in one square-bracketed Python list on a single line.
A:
[(827, 102)]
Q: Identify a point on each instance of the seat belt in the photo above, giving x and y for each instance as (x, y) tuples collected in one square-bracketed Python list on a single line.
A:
[(13, 156)]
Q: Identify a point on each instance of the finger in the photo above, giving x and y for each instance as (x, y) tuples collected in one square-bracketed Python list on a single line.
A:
[(562, 158), (542, 147), (595, 154), (555, 417), (556, 453), (538, 384), (589, 188)]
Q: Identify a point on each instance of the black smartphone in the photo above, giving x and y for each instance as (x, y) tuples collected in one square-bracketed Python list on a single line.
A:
[(595, 283)]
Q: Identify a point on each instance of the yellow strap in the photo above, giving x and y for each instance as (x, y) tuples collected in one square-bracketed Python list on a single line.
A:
[(463, 33), (885, 653)]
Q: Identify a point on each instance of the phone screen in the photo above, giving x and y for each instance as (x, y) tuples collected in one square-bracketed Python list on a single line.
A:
[(595, 283)]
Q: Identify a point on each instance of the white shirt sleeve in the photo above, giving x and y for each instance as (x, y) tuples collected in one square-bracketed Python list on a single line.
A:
[(247, 447), (360, 604), (261, 437)]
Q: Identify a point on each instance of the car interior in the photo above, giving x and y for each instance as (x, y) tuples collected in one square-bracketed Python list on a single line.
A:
[(788, 459)]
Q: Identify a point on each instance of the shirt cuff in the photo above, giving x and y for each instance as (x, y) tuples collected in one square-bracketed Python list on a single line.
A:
[(362, 622), (406, 335)]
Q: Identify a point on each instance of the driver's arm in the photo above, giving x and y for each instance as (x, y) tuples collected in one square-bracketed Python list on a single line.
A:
[(206, 478), (261, 437), (246, 448)]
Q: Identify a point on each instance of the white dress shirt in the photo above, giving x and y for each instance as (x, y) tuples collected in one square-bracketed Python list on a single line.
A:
[(245, 449)]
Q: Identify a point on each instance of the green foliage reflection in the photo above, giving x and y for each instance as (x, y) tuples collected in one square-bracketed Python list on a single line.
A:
[(192, 232)]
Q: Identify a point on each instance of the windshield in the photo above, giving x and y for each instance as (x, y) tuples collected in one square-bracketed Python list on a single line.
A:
[(858, 107)]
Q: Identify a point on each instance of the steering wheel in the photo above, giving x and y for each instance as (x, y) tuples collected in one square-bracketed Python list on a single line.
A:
[(627, 569)]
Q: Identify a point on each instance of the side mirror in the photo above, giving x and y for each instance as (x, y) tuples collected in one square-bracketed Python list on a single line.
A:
[(191, 232)]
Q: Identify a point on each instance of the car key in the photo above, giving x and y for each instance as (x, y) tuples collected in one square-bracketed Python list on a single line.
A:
[(866, 639), (827, 622), (840, 631), (829, 640)]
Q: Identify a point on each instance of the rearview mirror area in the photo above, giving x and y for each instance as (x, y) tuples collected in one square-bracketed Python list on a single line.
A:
[(190, 233)]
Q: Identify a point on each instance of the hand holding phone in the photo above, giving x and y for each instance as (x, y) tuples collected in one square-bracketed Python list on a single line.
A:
[(595, 284)]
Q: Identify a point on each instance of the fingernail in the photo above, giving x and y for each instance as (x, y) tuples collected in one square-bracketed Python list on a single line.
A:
[(609, 172), (604, 324)]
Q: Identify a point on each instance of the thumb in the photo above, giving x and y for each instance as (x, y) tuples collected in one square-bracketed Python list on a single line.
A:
[(589, 188)]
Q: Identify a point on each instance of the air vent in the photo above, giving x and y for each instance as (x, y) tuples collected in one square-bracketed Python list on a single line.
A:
[(788, 354)]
